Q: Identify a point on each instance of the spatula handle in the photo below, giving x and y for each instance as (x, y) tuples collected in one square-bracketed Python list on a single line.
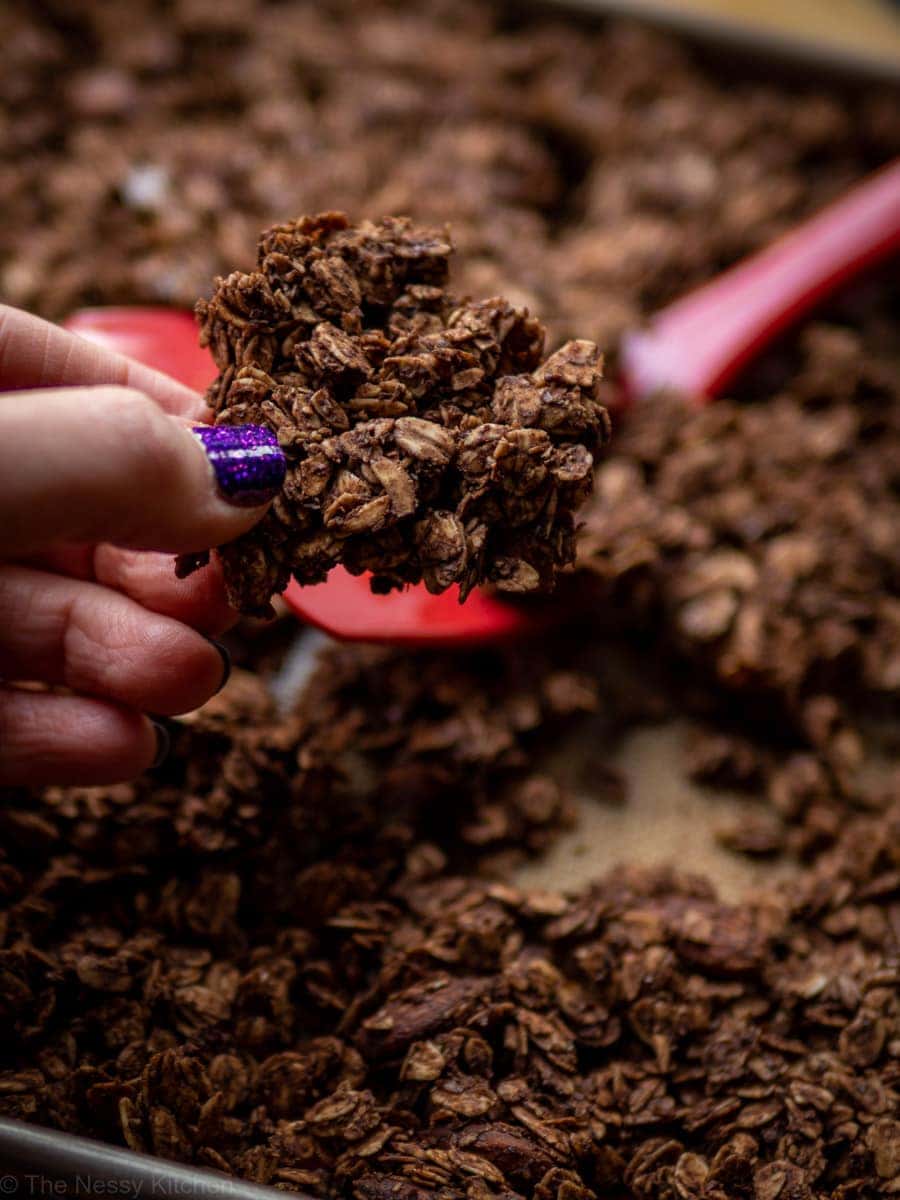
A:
[(698, 344)]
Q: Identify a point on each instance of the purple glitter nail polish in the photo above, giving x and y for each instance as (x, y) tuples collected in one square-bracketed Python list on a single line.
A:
[(247, 460)]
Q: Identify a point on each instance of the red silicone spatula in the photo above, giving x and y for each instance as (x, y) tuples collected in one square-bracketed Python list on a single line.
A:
[(164, 338), (695, 346)]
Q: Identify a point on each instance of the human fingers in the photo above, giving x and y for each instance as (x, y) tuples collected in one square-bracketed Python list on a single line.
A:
[(37, 354), (107, 464), (147, 577), (97, 642), (198, 601), (47, 738)]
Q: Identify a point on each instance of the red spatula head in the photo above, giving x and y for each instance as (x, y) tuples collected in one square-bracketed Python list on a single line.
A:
[(164, 338), (345, 607)]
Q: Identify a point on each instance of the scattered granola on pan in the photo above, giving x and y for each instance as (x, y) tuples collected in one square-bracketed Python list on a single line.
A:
[(427, 438), (761, 532), (275, 957)]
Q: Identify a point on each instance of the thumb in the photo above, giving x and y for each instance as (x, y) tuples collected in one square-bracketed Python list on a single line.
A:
[(107, 464)]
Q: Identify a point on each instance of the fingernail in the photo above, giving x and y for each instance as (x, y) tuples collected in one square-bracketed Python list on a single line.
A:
[(163, 743), (225, 656), (248, 462)]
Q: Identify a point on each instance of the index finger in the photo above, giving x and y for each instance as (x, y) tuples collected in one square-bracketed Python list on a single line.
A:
[(35, 354)]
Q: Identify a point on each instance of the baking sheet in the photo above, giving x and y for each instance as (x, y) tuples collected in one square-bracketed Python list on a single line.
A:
[(856, 38), (665, 818)]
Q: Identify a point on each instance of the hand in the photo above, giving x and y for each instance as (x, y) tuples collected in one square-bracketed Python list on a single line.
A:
[(101, 481)]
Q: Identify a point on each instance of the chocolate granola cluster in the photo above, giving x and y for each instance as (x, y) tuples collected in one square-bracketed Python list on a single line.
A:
[(427, 438)]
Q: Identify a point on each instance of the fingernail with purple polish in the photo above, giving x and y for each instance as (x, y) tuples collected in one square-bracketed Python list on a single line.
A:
[(247, 460)]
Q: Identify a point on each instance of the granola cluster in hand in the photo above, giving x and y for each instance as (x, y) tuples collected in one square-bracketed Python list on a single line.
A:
[(427, 439)]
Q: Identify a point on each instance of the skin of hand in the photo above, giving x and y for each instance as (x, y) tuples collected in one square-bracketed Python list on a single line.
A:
[(102, 480)]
